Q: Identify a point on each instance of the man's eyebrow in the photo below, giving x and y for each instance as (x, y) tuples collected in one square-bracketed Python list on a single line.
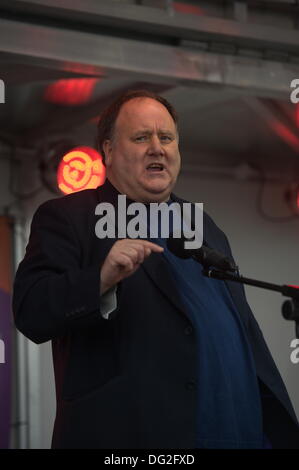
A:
[(143, 131), (166, 131), (149, 131)]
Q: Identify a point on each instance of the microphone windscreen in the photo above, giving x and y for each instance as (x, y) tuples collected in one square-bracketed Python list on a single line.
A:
[(210, 257), (206, 256)]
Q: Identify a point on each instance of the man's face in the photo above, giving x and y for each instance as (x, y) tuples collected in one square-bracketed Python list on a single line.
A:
[(143, 159)]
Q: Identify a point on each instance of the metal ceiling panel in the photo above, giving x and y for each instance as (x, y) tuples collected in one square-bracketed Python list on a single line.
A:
[(91, 54), (155, 21)]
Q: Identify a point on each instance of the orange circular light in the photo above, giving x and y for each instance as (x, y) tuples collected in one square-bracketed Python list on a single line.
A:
[(79, 169)]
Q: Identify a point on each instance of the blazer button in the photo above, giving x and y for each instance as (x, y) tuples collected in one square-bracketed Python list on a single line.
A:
[(188, 330), (191, 385)]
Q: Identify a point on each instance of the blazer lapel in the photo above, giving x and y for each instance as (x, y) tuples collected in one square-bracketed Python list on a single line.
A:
[(157, 269), (155, 266)]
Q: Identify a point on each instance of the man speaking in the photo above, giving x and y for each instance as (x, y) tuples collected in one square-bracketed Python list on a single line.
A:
[(148, 352)]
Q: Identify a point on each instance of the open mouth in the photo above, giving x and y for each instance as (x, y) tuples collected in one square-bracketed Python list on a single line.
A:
[(155, 167)]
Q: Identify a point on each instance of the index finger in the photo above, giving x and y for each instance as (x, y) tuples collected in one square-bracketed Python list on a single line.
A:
[(152, 246)]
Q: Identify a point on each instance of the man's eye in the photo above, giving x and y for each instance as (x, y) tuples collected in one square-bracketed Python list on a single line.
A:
[(165, 138), (140, 138)]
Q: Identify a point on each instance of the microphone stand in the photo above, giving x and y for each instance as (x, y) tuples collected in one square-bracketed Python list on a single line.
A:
[(290, 308)]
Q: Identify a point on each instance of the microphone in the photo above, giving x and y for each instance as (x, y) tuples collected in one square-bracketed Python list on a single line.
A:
[(206, 256)]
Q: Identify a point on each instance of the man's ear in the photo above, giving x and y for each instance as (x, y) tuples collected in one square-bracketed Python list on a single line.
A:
[(107, 147)]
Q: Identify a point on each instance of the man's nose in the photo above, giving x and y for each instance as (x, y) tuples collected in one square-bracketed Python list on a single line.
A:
[(155, 146)]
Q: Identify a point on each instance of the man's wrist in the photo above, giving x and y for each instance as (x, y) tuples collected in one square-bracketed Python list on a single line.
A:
[(104, 288)]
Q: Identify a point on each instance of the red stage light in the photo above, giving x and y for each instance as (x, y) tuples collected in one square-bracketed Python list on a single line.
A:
[(71, 91), (187, 8), (286, 134), (79, 169)]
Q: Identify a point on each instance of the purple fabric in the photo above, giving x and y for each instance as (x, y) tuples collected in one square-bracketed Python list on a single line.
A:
[(5, 368)]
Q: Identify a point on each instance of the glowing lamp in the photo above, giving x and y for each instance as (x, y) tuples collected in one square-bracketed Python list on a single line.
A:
[(187, 8), (71, 91), (79, 169)]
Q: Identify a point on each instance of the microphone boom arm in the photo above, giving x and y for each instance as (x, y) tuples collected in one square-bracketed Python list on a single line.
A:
[(290, 308)]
